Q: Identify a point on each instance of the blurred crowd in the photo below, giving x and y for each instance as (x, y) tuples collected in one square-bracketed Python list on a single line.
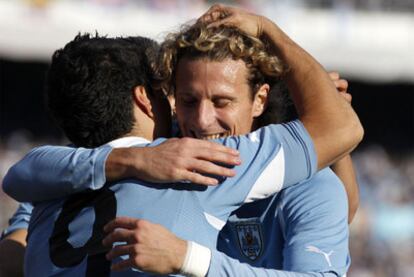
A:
[(370, 5), (382, 233)]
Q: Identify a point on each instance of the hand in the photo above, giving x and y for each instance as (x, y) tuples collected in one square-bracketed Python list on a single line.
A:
[(249, 23), (151, 247), (341, 85), (187, 159), (172, 161)]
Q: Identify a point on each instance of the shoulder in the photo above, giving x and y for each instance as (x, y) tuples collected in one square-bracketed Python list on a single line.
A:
[(324, 184), (315, 217), (321, 196)]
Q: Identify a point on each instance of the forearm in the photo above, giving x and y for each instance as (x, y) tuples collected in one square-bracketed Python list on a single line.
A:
[(345, 171), (330, 120), (50, 172), (222, 265), (122, 162)]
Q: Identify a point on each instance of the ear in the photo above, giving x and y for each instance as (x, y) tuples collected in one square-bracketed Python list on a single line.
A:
[(260, 100), (142, 100)]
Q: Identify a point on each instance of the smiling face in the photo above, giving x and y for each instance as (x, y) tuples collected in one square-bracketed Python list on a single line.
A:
[(214, 99)]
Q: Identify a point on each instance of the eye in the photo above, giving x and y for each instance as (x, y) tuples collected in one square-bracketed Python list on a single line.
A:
[(187, 101), (222, 102)]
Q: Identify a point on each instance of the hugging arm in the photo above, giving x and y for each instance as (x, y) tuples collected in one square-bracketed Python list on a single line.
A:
[(327, 115), (316, 239), (171, 255), (330, 120), (344, 169), (50, 172)]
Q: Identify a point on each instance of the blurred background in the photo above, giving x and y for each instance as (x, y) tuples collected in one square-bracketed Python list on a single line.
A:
[(370, 42)]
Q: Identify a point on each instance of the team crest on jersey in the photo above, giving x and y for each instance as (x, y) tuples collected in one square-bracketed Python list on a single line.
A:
[(250, 240)]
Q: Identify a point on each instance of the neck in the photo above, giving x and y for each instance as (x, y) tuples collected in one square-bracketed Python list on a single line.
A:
[(139, 132)]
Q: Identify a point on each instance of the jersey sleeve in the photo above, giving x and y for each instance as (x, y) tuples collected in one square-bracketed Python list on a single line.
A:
[(223, 265), (315, 226), (290, 155), (19, 220), (51, 172), (273, 158)]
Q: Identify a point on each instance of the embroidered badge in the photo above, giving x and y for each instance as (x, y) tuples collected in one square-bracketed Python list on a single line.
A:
[(250, 240)]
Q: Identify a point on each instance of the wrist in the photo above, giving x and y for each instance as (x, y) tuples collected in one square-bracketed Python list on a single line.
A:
[(120, 164), (180, 255), (197, 260), (133, 162), (278, 40), (266, 26)]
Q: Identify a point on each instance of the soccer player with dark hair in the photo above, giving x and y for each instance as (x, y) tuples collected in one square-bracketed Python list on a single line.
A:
[(82, 81)]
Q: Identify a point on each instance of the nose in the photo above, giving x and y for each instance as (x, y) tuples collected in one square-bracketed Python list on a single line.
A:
[(205, 116)]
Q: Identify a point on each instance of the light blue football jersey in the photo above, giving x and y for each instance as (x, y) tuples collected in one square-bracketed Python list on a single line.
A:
[(65, 234), (304, 228)]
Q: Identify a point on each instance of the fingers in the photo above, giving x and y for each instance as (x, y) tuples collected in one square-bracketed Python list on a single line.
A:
[(346, 96), (214, 12), (196, 174), (206, 150), (202, 159), (228, 21), (217, 156), (186, 158), (122, 265), (216, 7), (196, 144), (212, 146), (333, 75), (210, 16), (207, 167), (198, 171), (120, 250), (119, 235), (120, 222), (341, 85), (197, 178), (217, 15)]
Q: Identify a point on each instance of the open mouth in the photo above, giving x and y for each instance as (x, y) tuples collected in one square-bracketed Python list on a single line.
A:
[(210, 136)]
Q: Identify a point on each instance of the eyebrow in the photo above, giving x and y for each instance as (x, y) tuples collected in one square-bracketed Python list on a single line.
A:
[(223, 96)]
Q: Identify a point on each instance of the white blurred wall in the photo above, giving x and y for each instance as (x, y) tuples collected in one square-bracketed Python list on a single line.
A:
[(375, 46)]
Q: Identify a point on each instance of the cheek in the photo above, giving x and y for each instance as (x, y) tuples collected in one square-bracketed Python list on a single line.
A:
[(234, 119), (243, 119), (245, 125)]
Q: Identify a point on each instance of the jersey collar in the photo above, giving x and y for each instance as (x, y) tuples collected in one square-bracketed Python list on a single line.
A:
[(127, 142)]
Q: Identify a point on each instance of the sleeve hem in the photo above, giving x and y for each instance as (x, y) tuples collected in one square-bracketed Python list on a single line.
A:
[(197, 260), (99, 177)]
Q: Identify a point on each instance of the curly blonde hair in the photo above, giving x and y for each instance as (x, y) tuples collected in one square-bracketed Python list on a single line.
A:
[(217, 44)]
